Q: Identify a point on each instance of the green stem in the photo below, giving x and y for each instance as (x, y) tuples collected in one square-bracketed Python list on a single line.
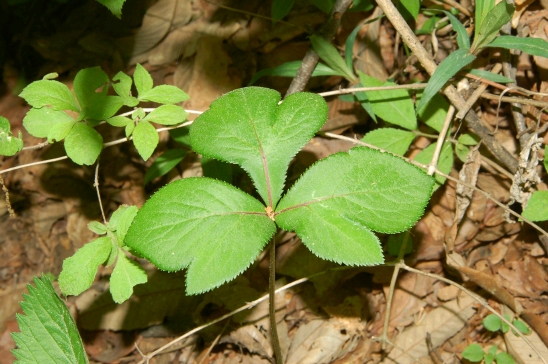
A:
[(272, 302)]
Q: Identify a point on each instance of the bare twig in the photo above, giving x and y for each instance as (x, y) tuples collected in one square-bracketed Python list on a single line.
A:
[(272, 302), (518, 100), (7, 197), (311, 57), (441, 138), (96, 185), (343, 91), (408, 36)]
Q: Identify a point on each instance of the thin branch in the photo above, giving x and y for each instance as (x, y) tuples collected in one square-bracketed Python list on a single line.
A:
[(342, 91), (272, 302), (408, 36), (519, 100), (432, 167), (311, 57), (96, 185)]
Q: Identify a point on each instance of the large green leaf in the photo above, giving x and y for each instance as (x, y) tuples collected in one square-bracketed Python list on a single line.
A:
[(49, 92), (48, 333), (394, 106), (533, 46), (247, 127), (446, 69), (83, 144), (337, 203), (499, 15), (209, 226)]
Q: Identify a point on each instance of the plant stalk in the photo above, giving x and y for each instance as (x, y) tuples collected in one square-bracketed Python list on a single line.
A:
[(272, 302)]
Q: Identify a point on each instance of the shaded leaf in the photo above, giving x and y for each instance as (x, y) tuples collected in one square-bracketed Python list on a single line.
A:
[(126, 275), (199, 223), (115, 6), (145, 139), (48, 333), (289, 69), (337, 203), (251, 130), (446, 69), (103, 107), (79, 270), (86, 82), (280, 8), (164, 163), (83, 144), (532, 46), (435, 112), (392, 140), (327, 52)]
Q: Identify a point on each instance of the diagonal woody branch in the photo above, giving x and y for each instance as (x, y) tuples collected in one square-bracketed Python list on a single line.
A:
[(454, 97)]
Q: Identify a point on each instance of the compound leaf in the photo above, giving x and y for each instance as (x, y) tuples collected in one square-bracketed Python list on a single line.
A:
[(446, 69), (145, 139), (126, 275), (394, 106), (83, 144), (337, 203), (49, 92), (532, 46), (209, 226), (38, 122), (536, 209), (48, 333), (392, 140), (79, 270), (167, 115), (164, 94), (250, 129)]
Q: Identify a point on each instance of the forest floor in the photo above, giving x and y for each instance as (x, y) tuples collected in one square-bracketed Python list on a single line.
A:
[(338, 317)]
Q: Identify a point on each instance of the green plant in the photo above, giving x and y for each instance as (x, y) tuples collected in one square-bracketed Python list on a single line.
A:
[(475, 353), (493, 323)]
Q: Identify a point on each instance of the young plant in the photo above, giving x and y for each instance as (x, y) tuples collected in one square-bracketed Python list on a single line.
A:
[(475, 354), (216, 230)]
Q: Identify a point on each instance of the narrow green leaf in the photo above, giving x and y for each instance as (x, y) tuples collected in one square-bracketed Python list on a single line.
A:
[(257, 134), (145, 139), (435, 112), (199, 223), (123, 89), (48, 92), (83, 144), (490, 76), (445, 161), (473, 352), (499, 15), (349, 46), (331, 56), (394, 106), (79, 270), (463, 40), (164, 94), (537, 207), (532, 46), (126, 275), (129, 129), (492, 323), (142, 79), (392, 140), (164, 163), (167, 115), (280, 8), (337, 203), (446, 69), (59, 131), (115, 6), (289, 69), (48, 333), (428, 26), (38, 122), (119, 121), (482, 8)]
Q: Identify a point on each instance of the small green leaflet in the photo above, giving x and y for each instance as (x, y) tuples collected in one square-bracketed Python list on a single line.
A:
[(366, 191), (48, 333), (125, 276), (49, 93), (473, 352), (9, 144), (142, 79), (532, 46), (167, 115), (446, 69), (394, 106), (145, 139), (199, 223), (389, 139), (83, 144), (537, 207), (164, 94), (250, 129)]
